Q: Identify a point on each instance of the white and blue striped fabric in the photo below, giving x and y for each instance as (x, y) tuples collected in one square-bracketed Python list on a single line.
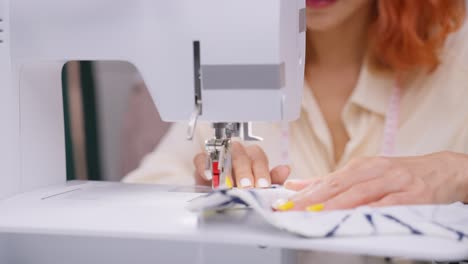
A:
[(446, 221)]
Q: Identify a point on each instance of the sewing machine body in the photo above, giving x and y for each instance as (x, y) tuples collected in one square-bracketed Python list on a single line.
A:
[(250, 54)]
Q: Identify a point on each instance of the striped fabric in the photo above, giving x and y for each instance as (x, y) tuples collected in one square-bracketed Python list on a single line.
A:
[(445, 221)]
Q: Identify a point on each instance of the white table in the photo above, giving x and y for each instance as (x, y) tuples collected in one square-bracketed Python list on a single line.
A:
[(96, 222)]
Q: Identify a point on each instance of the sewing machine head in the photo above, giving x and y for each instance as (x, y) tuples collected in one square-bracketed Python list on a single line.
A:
[(266, 87), (224, 62)]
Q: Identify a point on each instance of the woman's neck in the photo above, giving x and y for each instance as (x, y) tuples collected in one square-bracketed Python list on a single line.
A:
[(333, 66), (342, 46)]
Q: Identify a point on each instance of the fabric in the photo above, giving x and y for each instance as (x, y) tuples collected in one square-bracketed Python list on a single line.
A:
[(443, 221), (433, 117)]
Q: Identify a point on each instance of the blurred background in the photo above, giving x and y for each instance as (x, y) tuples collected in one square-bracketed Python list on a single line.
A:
[(111, 122)]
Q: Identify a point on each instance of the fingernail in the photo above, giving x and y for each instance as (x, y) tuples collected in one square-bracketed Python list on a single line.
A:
[(263, 183), (315, 208), (283, 205), (229, 183), (208, 175), (244, 183)]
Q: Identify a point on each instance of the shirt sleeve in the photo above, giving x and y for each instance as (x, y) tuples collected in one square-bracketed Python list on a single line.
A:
[(172, 161)]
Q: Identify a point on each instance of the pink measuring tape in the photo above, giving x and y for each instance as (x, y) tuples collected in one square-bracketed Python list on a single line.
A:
[(392, 121), (285, 143), (390, 128)]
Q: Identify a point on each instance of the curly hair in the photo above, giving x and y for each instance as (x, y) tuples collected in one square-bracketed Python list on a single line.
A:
[(408, 34)]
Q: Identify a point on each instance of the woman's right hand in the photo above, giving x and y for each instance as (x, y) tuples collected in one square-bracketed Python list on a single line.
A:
[(250, 168)]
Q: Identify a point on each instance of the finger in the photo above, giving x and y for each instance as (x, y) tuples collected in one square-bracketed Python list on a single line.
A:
[(298, 185), (394, 199), (279, 174), (368, 192), (319, 192), (260, 167), (200, 166), (241, 166), (414, 196), (201, 182), (338, 182)]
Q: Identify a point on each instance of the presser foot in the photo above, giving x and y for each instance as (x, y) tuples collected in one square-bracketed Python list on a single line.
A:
[(218, 166)]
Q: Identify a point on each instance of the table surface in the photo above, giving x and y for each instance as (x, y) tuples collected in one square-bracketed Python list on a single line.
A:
[(158, 212)]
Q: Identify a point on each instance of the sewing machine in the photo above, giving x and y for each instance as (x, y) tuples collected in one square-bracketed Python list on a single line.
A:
[(224, 62)]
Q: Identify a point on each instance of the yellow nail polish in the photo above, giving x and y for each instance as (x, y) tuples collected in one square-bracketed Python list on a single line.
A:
[(316, 208), (286, 206), (229, 184)]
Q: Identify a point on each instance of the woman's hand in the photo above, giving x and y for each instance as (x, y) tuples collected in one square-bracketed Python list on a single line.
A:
[(250, 168), (432, 179)]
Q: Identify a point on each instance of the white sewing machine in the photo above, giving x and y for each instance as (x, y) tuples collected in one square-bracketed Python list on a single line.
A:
[(250, 57)]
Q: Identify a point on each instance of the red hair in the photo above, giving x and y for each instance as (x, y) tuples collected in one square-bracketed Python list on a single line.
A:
[(408, 34)]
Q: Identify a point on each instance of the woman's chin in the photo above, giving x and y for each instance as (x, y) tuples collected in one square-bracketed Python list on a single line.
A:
[(320, 25)]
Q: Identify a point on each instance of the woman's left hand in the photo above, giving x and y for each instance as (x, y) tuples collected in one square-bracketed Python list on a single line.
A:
[(431, 179)]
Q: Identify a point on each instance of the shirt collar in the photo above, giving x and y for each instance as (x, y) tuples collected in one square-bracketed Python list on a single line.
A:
[(373, 90), (372, 93)]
